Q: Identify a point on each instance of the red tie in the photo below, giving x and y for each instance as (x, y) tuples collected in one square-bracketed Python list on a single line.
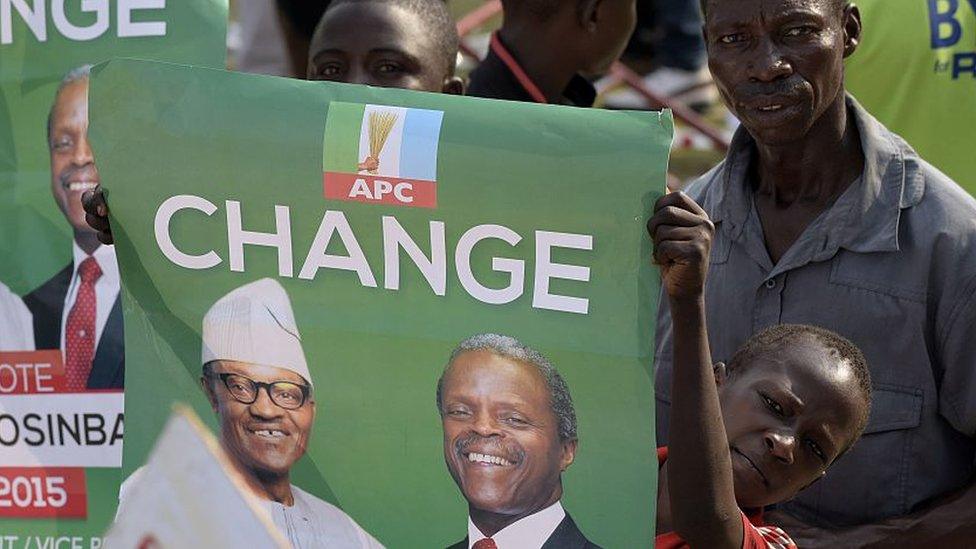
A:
[(485, 543), (80, 329)]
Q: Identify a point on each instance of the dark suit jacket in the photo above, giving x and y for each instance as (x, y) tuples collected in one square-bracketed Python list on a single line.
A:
[(46, 304), (566, 536)]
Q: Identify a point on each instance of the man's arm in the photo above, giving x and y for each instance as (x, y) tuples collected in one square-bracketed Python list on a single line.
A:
[(703, 507), (948, 522)]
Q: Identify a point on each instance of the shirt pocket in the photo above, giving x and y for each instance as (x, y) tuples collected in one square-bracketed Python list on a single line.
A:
[(870, 482)]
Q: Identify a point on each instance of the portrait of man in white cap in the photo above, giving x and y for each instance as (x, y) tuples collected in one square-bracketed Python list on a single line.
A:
[(257, 379)]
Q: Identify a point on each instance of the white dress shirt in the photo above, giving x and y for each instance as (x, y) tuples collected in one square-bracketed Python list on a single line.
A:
[(530, 532), (106, 287), (16, 324)]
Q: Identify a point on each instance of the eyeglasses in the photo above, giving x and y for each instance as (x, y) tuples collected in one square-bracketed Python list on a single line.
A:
[(284, 394)]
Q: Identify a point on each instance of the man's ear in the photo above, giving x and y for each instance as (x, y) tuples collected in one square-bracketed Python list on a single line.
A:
[(721, 373), (852, 29), (569, 454), (208, 390), (453, 85)]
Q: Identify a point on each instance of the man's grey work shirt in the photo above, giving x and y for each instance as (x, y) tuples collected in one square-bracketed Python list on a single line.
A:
[(892, 267)]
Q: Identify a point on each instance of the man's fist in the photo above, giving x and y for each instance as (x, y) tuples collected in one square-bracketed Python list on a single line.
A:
[(96, 214), (682, 235)]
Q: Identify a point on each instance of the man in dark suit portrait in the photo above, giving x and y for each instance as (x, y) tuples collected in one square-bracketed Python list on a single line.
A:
[(78, 310), (509, 433)]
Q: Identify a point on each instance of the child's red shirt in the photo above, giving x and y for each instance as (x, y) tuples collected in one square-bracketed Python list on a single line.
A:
[(756, 535)]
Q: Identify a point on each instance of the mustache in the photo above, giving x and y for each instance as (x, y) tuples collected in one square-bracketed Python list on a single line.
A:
[(488, 445), (747, 90)]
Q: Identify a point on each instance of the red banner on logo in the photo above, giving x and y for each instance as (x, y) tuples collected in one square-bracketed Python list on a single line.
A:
[(31, 373), (43, 492), (379, 189)]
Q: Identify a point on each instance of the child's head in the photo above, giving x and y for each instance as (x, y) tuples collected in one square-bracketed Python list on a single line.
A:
[(589, 33), (409, 44), (794, 398)]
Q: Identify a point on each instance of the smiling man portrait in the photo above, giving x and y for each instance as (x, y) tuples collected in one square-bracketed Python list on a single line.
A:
[(509, 434), (257, 380), (78, 310)]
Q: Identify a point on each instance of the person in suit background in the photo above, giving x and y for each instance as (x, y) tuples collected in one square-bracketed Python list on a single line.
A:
[(509, 433), (78, 309)]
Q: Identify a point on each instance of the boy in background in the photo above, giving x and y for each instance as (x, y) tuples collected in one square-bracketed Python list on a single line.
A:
[(546, 48)]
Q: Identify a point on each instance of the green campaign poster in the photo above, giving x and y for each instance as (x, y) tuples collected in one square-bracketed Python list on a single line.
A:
[(61, 335), (323, 248)]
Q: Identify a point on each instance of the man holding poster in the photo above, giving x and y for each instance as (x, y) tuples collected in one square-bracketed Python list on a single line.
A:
[(509, 433), (78, 309)]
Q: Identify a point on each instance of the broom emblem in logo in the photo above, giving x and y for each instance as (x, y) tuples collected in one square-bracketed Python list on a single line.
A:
[(380, 126)]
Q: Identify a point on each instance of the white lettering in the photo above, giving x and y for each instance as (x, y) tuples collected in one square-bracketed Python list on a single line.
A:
[(400, 194), (69, 30), (336, 222), (433, 269), (128, 28), (237, 237), (360, 188), (545, 270), (34, 17), (164, 239), (515, 267)]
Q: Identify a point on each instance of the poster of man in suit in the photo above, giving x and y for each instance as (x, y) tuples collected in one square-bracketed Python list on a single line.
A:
[(78, 309), (510, 432)]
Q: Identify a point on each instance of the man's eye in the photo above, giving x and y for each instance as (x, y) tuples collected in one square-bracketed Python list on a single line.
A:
[(458, 413), (516, 421), (799, 31), (817, 450), (772, 404), (62, 144), (732, 38)]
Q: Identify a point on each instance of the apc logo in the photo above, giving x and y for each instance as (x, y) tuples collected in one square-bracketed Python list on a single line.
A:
[(946, 32), (378, 154)]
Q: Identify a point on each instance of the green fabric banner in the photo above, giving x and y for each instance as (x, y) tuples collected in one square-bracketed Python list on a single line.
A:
[(61, 404), (345, 240)]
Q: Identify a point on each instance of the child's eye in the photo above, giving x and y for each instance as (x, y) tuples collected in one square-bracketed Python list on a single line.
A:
[(817, 450), (388, 67), (772, 404)]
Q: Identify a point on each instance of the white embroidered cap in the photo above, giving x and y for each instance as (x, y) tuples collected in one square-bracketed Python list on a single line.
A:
[(255, 324)]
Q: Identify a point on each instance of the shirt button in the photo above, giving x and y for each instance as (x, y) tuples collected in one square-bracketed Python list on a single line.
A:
[(771, 283)]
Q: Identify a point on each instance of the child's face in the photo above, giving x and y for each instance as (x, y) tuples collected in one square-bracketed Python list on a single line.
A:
[(788, 414), (378, 45)]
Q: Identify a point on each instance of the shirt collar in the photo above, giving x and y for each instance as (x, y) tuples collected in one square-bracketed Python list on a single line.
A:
[(104, 255), (891, 181), (578, 92), (529, 532)]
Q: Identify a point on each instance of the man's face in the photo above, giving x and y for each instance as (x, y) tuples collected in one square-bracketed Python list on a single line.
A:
[(261, 436), (501, 437), (72, 165), (788, 414), (376, 44), (778, 64), (617, 19)]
